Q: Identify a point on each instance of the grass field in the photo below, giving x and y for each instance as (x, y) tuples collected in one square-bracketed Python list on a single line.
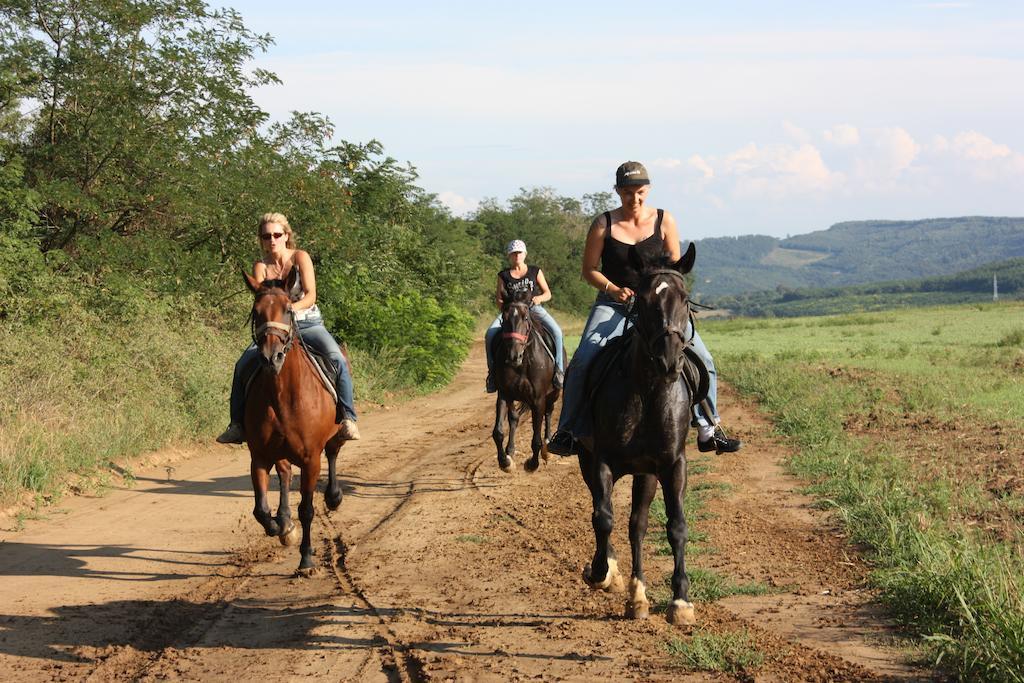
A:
[(910, 426)]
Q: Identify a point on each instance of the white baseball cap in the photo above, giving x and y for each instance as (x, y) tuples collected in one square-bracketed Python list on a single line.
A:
[(515, 245)]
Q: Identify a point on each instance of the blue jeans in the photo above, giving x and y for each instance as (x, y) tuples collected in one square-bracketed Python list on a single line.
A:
[(315, 335), (606, 322), (549, 324)]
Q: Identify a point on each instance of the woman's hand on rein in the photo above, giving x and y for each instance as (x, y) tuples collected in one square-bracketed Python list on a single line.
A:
[(622, 294)]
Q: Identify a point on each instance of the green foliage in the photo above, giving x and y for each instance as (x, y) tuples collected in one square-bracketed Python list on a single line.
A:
[(958, 587), (554, 229), (731, 652), (130, 194)]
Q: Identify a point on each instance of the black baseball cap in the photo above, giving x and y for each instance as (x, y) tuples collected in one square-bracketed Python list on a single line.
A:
[(631, 173)]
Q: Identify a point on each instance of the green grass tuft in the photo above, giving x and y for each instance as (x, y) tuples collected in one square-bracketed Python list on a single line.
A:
[(732, 653)]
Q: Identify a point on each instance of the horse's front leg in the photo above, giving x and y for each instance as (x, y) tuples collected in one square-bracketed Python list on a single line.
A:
[(288, 533), (673, 486), (310, 474), (332, 494), (644, 488), (498, 433), (260, 480), (513, 424), (603, 571), (537, 444)]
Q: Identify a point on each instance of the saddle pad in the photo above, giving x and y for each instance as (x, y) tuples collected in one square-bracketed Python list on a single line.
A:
[(325, 370)]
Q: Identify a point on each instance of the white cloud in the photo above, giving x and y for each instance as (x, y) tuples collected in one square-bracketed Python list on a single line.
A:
[(457, 204), (892, 151), (779, 170), (973, 145), (843, 135), (667, 163), (697, 162), (795, 132)]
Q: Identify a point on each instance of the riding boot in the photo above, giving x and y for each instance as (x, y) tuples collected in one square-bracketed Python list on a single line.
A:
[(233, 434), (490, 385)]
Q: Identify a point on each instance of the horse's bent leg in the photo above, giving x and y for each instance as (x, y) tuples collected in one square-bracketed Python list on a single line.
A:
[(644, 488), (287, 533), (673, 486), (332, 494), (260, 480), (498, 433), (537, 444), (310, 473), (603, 571)]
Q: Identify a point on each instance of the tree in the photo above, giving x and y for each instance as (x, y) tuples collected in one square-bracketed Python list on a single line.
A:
[(131, 96)]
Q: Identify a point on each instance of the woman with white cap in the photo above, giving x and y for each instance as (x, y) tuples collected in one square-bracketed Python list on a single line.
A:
[(515, 279), (607, 266)]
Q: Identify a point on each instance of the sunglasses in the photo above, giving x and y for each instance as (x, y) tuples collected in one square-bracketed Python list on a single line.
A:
[(266, 236)]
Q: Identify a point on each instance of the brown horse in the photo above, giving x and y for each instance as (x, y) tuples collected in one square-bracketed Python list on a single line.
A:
[(641, 411), (523, 372), (289, 417)]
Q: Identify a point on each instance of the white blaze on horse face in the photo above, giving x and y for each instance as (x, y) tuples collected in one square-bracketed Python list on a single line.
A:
[(661, 288)]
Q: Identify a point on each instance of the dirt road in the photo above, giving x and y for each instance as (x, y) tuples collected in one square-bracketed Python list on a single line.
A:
[(437, 566)]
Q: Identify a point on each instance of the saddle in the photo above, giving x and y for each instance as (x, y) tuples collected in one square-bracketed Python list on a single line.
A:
[(606, 364), (325, 370)]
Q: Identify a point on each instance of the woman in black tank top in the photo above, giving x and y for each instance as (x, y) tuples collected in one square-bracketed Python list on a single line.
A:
[(607, 266)]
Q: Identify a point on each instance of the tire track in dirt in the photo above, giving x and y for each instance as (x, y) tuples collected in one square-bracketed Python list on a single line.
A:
[(436, 566)]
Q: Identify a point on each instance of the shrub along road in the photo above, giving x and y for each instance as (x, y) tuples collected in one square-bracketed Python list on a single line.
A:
[(437, 565)]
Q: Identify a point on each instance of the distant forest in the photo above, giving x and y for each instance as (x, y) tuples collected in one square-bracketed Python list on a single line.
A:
[(973, 285), (854, 253)]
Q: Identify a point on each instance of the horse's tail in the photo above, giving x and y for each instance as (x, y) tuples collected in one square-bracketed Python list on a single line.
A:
[(520, 407)]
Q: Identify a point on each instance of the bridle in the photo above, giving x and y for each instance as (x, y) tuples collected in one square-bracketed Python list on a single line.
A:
[(519, 336), (286, 332), (670, 327)]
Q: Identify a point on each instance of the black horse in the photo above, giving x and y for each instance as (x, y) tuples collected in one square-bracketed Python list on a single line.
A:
[(523, 372), (641, 415)]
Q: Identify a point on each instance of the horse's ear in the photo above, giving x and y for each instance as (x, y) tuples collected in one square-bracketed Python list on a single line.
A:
[(250, 282), (685, 264)]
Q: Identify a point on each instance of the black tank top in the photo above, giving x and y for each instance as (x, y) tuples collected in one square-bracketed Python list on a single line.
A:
[(526, 283), (615, 263)]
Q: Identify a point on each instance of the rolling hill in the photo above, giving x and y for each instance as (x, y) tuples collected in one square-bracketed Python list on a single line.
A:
[(856, 252)]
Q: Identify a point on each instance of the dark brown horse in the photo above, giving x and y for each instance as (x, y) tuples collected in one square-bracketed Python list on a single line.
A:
[(289, 417), (523, 372), (641, 415)]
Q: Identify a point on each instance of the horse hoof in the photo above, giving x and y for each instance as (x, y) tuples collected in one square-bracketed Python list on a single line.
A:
[(531, 465), (680, 613), (333, 502), (612, 581), (506, 465), (290, 537), (305, 572), (638, 610)]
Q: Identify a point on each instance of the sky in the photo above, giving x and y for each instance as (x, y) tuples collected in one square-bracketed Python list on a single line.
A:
[(772, 118)]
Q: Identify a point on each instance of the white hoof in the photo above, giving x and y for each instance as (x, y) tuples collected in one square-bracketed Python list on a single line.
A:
[(291, 537), (612, 582), (637, 606), (680, 613)]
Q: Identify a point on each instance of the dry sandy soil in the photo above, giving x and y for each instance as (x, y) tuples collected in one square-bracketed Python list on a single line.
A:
[(437, 566)]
